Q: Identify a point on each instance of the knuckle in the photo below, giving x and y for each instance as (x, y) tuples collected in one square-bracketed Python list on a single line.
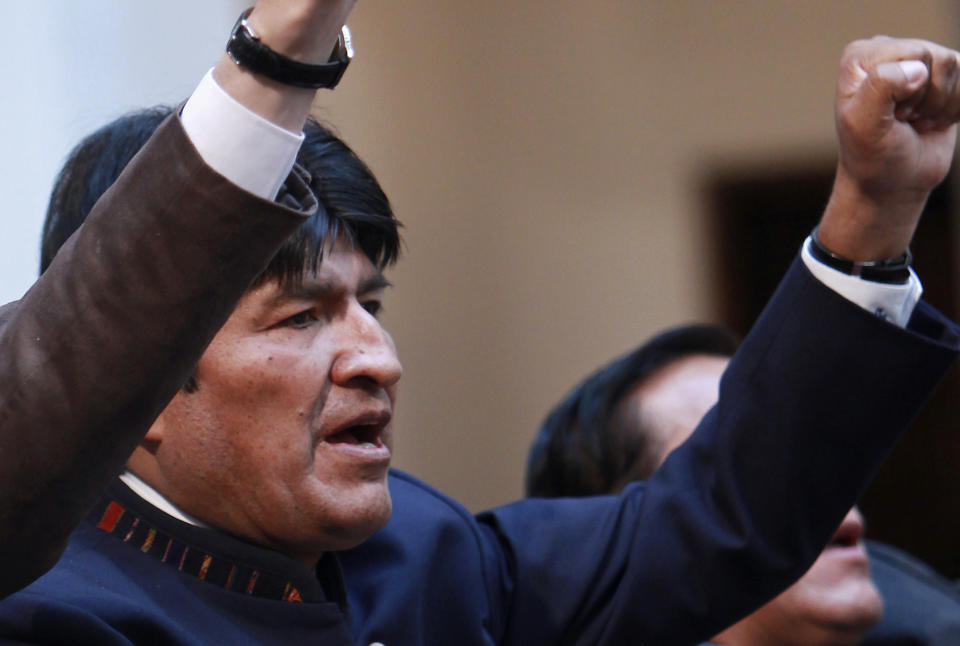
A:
[(949, 66), (854, 49)]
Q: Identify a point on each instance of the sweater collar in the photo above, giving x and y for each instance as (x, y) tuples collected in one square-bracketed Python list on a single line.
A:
[(213, 556)]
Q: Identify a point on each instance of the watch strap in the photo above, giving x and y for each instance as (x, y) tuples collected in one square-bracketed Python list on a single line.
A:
[(894, 271), (248, 51)]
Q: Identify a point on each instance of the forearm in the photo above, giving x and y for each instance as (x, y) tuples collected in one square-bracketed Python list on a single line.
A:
[(864, 227), (808, 410), (114, 327), (108, 334)]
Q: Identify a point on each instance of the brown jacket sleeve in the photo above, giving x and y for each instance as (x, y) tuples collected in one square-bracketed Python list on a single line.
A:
[(98, 346)]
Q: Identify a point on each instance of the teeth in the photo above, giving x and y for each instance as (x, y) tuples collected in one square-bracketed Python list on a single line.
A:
[(368, 445)]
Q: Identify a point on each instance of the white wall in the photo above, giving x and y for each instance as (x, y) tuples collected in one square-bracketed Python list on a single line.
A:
[(71, 66)]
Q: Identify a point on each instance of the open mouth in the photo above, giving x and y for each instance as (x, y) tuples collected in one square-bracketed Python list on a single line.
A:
[(849, 534), (367, 435), (844, 540)]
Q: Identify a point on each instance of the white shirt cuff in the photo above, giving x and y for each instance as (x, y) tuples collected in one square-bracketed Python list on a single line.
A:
[(156, 499), (892, 303), (250, 151)]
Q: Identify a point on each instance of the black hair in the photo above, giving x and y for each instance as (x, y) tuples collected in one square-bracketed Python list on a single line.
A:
[(351, 202), (578, 451)]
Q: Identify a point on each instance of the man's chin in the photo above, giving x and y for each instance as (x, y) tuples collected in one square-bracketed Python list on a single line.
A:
[(851, 608), (368, 514), (859, 614)]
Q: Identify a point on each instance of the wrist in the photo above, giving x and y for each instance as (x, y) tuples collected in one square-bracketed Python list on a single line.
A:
[(248, 50), (891, 271), (306, 33), (283, 105), (864, 226)]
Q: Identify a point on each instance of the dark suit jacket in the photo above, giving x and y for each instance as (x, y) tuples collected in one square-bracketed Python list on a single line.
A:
[(97, 347), (808, 409), (132, 575)]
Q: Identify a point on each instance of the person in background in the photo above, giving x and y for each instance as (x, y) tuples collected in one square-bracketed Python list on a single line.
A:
[(621, 423)]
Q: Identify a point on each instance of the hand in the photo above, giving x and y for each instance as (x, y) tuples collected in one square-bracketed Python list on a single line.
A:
[(304, 30), (896, 108)]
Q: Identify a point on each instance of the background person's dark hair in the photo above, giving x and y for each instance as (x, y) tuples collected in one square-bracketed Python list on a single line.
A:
[(351, 201), (580, 450)]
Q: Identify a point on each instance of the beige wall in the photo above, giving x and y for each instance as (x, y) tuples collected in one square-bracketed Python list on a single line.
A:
[(545, 156)]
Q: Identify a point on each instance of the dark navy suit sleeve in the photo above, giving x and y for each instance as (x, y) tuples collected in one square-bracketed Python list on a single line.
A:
[(808, 409)]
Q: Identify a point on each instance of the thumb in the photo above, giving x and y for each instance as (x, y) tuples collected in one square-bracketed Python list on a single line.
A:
[(886, 85), (900, 80)]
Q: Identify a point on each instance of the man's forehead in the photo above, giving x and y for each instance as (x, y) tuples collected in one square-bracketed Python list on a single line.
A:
[(341, 271), (678, 394), (689, 381)]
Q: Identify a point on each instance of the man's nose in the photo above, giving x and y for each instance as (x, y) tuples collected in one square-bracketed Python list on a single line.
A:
[(855, 517), (367, 352)]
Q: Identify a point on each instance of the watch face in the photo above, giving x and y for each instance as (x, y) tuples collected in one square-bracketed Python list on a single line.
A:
[(245, 26), (347, 43)]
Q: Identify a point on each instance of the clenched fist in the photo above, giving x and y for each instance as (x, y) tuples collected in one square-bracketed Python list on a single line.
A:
[(897, 105)]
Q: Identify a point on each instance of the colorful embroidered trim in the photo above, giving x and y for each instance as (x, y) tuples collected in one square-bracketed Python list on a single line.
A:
[(118, 521)]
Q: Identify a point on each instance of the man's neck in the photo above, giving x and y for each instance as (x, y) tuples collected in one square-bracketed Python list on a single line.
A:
[(156, 498)]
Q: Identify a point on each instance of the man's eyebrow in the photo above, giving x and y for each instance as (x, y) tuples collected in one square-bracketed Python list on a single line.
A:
[(373, 283), (327, 288)]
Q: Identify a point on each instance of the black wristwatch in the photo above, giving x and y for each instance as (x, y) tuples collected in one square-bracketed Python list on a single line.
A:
[(246, 50), (892, 271)]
